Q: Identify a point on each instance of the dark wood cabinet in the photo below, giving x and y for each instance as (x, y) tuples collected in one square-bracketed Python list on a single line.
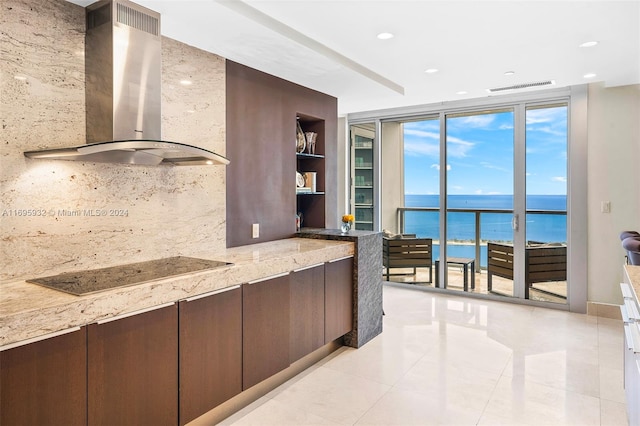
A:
[(210, 351), (307, 311), (133, 369), (338, 289), (45, 382), (265, 329)]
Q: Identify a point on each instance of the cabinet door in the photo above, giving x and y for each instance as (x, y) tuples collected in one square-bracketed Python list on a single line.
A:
[(45, 382), (265, 329), (210, 352), (338, 279), (133, 369), (307, 311)]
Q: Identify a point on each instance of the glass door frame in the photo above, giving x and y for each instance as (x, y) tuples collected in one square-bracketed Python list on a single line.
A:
[(519, 223), (519, 190), (577, 99)]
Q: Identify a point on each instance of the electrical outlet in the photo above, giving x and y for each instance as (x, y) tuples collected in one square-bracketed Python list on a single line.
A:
[(605, 207), (255, 230)]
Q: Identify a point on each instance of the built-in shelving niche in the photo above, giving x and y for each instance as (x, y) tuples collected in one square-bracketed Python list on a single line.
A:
[(312, 205)]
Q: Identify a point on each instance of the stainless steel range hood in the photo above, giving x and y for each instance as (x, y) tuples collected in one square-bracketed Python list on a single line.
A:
[(123, 93)]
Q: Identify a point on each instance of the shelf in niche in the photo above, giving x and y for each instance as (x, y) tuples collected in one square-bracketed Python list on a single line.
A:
[(310, 193), (302, 155)]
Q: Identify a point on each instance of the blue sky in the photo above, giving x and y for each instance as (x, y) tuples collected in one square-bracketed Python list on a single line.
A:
[(480, 153)]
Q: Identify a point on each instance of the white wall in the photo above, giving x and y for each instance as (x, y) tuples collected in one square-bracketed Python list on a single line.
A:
[(392, 164), (613, 175), (162, 211)]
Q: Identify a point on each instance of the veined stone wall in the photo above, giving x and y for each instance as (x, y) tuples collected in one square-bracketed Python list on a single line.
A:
[(59, 216)]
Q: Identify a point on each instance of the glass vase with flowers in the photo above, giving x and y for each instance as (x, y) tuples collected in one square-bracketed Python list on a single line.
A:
[(347, 222)]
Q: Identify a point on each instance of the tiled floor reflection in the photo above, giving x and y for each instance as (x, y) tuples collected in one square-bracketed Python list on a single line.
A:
[(453, 360)]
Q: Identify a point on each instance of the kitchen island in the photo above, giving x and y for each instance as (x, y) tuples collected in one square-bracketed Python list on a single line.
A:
[(631, 318), (367, 279)]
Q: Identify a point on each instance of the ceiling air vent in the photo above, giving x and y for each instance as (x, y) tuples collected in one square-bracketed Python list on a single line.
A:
[(522, 86)]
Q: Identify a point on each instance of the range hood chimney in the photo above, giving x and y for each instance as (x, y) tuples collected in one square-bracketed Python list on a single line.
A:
[(123, 92)]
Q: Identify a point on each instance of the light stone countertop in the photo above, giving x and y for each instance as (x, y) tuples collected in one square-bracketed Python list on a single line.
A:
[(633, 273), (29, 310)]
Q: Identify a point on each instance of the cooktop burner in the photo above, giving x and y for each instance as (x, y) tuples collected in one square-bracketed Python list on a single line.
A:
[(86, 282)]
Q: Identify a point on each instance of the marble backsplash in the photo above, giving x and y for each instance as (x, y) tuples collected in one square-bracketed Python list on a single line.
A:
[(59, 216)]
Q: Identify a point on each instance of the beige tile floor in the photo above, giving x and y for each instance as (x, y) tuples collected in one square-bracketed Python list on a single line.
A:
[(453, 360)]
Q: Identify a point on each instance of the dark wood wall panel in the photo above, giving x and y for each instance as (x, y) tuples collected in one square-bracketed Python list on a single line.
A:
[(261, 126)]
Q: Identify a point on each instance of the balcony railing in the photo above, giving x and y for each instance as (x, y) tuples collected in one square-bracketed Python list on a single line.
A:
[(550, 235)]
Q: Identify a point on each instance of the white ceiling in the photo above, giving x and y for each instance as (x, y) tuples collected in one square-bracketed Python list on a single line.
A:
[(331, 46)]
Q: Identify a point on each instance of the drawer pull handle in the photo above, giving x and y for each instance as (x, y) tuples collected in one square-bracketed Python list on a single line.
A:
[(211, 293), (38, 338), (304, 268), (130, 314), (342, 258), (272, 277), (627, 293)]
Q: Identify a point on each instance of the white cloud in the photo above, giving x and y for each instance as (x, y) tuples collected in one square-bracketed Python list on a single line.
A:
[(547, 129), (487, 165), (559, 179), (481, 192), (478, 121), (437, 166), (422, 133), (546, 115), (458, 147), (422, 149)]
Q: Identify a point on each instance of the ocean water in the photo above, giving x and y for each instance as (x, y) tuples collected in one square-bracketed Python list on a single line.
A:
[(493, 226)]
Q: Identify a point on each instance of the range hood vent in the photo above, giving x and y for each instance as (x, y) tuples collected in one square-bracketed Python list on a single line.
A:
[(137, 19), (123, 93)]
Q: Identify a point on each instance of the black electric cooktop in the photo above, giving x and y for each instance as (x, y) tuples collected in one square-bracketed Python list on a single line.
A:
[(92, 281)]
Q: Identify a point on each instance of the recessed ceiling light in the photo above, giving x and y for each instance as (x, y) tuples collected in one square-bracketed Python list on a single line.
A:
[(589, 75), (385, 36), (431, 70), (462, 92), (589, 44), (509, 72), (186, 82)]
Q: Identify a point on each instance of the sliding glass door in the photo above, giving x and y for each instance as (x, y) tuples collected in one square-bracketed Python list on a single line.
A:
[(489, 187), (546, 202), (480, 190)]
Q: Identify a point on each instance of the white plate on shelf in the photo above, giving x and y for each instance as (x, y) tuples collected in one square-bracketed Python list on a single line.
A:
[(299, 180)]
